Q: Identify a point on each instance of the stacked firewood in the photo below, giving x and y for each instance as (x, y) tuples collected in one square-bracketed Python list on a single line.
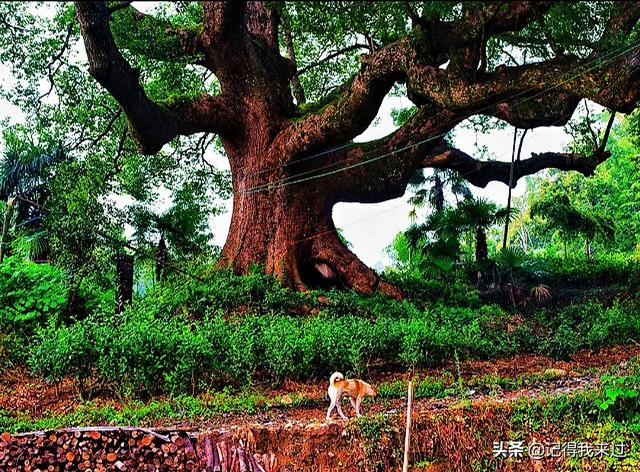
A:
[(98, 449), (229, 452), (131, 449)]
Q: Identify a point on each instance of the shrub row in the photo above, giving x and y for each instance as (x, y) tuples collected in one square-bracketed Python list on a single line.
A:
[(142, 353), (588, 325), (145, 352)]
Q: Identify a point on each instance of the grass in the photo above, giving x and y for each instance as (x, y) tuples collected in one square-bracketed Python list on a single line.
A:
[(211, 405), (138, 413)]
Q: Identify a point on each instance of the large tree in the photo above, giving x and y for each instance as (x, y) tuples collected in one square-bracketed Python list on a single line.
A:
[(527, 63)]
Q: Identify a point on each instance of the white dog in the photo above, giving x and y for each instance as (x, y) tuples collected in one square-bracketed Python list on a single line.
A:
[(355, 389)]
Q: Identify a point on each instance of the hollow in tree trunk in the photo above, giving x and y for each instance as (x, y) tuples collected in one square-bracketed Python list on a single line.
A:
[(291, 166)]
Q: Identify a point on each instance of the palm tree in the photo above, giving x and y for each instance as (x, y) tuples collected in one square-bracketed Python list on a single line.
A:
[(440, 179), (445, 244), (472, 215), (476, 215), (25, 173)]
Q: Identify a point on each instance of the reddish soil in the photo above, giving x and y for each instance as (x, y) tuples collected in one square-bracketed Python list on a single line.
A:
[(299, 439), (21, 392)]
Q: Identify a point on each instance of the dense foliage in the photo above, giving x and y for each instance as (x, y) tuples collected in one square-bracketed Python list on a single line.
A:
[(183, 337), (567, 279)]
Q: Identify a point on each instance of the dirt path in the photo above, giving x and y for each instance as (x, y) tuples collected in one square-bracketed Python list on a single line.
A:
[(21, 393), (298, 438)]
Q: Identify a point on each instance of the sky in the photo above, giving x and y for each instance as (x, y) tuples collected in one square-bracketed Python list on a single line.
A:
[(370, 228)]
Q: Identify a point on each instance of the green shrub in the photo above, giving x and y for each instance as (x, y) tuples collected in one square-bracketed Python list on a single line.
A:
[(524, 338), (143, 354), (285, 349), (444, 331), (561, 344), (617, 324), (170, 342), (606, 268), (224, 291), (30, 294), (424, 291), (620, 397), (61, 351), (140, 352)]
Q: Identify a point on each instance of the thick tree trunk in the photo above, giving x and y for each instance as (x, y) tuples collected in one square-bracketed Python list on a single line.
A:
[(291, 232)]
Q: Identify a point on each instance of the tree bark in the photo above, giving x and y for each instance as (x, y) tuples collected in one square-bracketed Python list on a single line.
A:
[(124, 282), (290, 232), (511, 184), (288, 171), (162, 259), (5, 228), (482, 252)]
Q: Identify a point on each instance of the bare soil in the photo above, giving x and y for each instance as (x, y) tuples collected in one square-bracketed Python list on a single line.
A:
[(298, 438)]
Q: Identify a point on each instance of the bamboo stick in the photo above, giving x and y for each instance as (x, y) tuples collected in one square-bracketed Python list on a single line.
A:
[(407, 437)]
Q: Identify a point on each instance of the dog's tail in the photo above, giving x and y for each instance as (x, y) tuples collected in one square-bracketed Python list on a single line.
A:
[(335, 377)]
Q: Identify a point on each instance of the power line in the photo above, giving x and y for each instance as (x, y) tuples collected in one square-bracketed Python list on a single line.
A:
[(294, 179), (486, 107), (288, 180), (322, 233)]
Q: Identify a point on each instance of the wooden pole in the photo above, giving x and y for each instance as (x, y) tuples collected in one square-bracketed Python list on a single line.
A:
[(407, 437)]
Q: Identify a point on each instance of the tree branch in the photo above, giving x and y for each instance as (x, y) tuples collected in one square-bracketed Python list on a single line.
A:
[(605, 138), (480, 173), (57, 58), (382, 168), (509, 16), (296, 86), (152, 125), (526, 96), (611, 82), (119, 6), (155, 38), (328, 57)]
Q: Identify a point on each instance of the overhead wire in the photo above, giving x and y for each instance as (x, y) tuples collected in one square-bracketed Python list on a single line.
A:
[(353, 144), (360, 220), (295, 179), (288, 180)]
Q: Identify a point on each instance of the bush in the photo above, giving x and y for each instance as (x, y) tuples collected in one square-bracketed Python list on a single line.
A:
[(620, 397), (447, 331), (186, 337), (606, 268), (424, 291), (143, 352), (588, 324), (616, 324), (61, 351), (224, 291), (30, 294), (563, 343)]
